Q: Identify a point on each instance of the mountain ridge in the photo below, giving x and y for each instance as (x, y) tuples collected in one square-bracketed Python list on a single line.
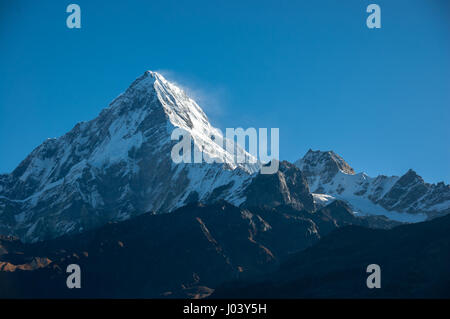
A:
[(405, 198), (118, 165)]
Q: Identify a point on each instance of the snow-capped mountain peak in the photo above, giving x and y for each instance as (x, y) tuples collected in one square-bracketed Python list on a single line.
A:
[(182, 111), (119, 165), (321, 167)]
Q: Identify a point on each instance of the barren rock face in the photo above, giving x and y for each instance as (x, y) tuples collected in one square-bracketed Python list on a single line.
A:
[(287, 187)]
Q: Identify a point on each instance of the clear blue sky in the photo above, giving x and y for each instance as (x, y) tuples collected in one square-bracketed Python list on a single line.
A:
[(380, 98)]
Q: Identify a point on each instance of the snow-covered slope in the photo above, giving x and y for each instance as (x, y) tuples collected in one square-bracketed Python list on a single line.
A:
[(118, 165), (405, 198)]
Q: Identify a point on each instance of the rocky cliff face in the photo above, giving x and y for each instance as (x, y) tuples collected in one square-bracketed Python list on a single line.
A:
[(286, 187)]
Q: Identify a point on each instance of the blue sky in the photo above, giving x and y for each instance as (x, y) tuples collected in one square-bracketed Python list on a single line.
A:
[(379, 98)]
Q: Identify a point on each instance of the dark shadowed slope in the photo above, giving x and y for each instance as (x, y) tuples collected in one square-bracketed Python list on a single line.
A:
[(414, 260), (186, 253)]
